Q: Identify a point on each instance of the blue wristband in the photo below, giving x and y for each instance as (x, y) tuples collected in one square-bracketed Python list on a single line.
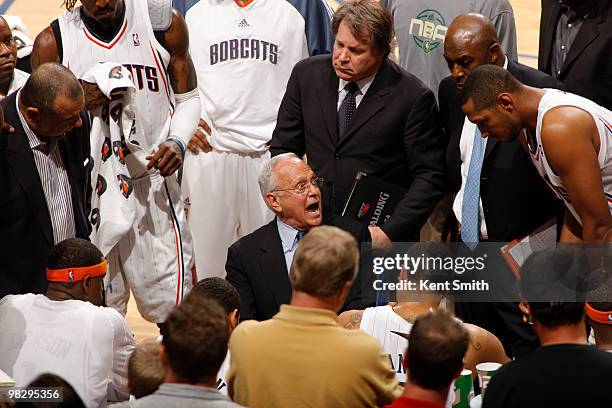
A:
[(179, 142)]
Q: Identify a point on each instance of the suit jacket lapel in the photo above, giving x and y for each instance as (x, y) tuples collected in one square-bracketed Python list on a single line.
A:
[(73, 167), (587, 34), (273, 266), (26, 174), (548, 37), (371, 103), (328, 98)]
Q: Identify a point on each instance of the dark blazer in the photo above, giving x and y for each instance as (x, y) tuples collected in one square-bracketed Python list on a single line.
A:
[(515, 199), (394, 135), (256, 267), (25, 223), (587, 70)]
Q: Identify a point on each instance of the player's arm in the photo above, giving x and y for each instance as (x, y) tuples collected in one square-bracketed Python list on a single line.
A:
[(571, 231), (45, 49), (351, 319), (484, 347), (571, 145), (168, 158)]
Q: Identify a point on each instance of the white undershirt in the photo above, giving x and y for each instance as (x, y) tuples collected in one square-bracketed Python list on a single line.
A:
[(466, 143)]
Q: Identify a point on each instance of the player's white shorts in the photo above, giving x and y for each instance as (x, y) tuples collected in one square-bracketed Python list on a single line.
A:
[(154, 259), (226, 204)]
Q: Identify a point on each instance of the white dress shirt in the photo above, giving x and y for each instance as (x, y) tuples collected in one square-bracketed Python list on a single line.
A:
[(363, 86), (466, 143), (289, 239), (54, 180)]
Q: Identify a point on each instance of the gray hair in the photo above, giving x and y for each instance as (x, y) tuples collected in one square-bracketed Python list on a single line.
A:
[(267, 178)]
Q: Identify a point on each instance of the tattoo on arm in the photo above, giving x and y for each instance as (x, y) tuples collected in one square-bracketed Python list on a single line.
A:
[(354, 320)]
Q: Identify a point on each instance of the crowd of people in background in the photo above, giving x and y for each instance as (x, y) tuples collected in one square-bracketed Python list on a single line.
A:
[(201, 155)]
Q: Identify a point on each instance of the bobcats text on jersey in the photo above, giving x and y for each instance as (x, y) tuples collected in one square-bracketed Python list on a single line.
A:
[(244, 48)]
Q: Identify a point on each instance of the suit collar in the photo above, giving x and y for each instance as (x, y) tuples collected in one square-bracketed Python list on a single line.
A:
[(327, 97), (371, 103), (272, 263), (549, 24), (587, 34)]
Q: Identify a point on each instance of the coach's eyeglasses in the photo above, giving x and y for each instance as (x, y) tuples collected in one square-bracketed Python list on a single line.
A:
[(303, 187)]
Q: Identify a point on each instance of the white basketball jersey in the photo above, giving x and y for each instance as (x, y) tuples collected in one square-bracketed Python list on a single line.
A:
[(379, 322), (243, 58), (603, 120), (87, 345), (134, 47)]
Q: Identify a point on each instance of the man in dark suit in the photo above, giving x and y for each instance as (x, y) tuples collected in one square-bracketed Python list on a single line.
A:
[(44, 176), (258, 264), (510, 200), (358, 111), (576, 44)]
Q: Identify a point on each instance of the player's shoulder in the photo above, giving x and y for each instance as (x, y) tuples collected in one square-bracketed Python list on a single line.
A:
[(247, 334), (109, 315), (351, 319), (160, 14), (18, 300)]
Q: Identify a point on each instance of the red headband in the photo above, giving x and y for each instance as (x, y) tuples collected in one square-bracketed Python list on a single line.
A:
[(599, 316), (69, 275)]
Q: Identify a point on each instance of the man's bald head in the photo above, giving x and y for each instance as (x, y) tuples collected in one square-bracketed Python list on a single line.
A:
[(48, 82), (471, 41), (51, 100)]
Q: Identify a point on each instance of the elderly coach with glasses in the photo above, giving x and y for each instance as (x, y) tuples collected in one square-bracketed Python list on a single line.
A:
[(258, 264)]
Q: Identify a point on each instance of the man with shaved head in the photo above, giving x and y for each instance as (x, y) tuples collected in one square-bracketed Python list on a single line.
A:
[(44, 175), (478, 168)]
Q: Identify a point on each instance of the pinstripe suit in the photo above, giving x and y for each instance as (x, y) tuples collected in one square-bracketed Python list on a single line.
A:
[(26, 225)]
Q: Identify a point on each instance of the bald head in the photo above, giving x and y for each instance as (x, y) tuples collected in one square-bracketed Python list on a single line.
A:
[(51, 101), (47, 82), (471, 41)]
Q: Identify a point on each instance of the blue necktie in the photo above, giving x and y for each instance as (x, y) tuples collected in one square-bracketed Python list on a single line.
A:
[(471, 195), (348, 108)]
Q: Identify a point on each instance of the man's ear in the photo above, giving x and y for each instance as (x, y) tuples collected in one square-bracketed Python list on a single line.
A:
[(505, 102), (86, 285), (32, 114), (273, 203), (494, 53), (163, 356), (233, 319), (343, 294)]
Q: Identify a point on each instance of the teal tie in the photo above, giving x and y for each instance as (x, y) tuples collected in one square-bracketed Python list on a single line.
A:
[(471, 195)]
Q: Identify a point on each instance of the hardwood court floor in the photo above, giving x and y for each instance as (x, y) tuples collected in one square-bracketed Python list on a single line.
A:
[(38, 13)]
